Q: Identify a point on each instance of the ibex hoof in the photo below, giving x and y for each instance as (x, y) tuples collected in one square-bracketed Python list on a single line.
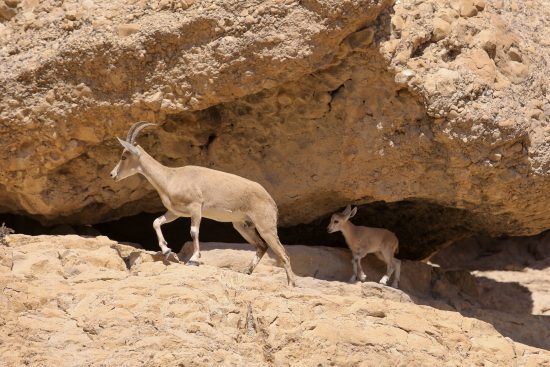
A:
[(192, 263), (166, 253)]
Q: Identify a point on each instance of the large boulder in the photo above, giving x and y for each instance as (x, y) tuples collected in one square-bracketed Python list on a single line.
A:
[(322, 102)]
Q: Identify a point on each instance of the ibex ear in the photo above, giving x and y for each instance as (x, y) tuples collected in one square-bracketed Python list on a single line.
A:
[(353, 212), (347, 210), (129, 147)]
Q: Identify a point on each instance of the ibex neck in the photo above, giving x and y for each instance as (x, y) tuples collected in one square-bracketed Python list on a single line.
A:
[(153, 171), (348, 230)]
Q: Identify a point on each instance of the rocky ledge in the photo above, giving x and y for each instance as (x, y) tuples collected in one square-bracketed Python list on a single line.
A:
[(70, 300)]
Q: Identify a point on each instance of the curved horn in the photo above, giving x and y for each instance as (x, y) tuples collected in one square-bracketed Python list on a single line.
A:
[(131, 130), (135, 129)]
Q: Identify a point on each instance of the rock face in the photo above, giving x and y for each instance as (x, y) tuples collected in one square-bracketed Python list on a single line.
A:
[(323, 102), (95, 302)]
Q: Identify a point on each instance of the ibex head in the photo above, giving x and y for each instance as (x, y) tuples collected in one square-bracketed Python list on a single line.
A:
[(129, 160), (338, 219)]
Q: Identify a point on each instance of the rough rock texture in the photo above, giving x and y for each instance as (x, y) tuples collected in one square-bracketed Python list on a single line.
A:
[(523, 260), (69, 300), (323, 102)]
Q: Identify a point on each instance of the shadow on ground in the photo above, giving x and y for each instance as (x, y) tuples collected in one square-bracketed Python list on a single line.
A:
[(508, 306)]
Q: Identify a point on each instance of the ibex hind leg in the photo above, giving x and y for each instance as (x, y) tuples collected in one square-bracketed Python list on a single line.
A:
[(397, 274), (390, 266), (396, 264), (264, 217), (196, 215), (269, 235), (273, 242), (248, 231)]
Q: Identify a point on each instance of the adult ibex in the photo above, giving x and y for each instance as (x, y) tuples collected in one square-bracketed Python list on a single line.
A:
[(366, 240), (197, 192)]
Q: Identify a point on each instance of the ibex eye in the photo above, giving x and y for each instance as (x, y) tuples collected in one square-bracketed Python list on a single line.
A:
[(122, 158)]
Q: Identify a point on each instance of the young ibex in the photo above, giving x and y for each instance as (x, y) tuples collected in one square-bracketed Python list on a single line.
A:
[(366, 240), (197, 192)]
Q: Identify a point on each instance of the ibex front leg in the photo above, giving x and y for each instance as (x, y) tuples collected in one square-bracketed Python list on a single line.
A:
[(196, 214), (166, 218), (361, 276)]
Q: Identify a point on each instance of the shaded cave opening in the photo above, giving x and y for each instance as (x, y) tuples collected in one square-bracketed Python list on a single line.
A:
[(422, 227)]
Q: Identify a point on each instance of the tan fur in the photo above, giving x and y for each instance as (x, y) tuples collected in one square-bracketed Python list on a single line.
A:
[(366, 240), (198, 192)]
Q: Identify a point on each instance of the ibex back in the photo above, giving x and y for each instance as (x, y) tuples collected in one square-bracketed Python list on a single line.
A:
[(197, 192)]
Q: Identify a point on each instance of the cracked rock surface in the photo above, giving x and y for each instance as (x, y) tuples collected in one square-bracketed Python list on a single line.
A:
[(73, 300)]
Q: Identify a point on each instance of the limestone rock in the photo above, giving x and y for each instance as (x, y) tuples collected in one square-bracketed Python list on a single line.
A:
[(70, 298), (12, 3), (480, 4), (441, 29), (125, 30), (487, 40), (361, 39), (6, 12), (467, 8), (443, 82), (305, 100)]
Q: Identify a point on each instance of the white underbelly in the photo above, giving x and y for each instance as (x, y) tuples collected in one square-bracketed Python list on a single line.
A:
[(222, 215)]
